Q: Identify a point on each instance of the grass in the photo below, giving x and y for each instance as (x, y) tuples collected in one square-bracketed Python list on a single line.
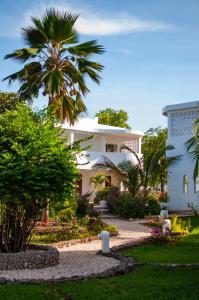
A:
[(147, 282), (184, 251), (143, 283)]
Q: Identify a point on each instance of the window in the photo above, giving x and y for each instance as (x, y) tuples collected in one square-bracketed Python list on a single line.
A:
[(196, 184), (111, 148), (185, 184)]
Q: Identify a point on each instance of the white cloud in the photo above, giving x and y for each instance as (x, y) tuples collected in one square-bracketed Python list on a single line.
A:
[(90, 22)]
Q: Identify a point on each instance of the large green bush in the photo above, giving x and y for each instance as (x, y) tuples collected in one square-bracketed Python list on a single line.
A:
[(36, 169), (126, 205)]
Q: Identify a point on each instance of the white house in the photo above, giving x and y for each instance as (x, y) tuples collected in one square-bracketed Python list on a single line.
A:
[(182, 189), (105, 143)]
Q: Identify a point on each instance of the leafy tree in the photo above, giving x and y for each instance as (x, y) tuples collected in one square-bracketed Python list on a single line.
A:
[(113, 117), (153, 139), (193, 148), (8, 101), (56, 63), (36, 168)]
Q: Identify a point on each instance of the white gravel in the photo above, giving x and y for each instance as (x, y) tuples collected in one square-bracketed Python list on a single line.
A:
[(82, 259)]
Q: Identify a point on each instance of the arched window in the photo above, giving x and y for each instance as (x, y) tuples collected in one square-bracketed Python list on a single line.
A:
[(196, 184), (185, 184)]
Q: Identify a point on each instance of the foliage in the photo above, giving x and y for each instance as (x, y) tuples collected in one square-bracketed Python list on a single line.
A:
[(154, 138), (66, 214), (56, 63), (36, 169), (163, 197), (113, 117), (138, 176), (128, 206), (57, 231), (152, 206), (101, 195), (193, 148), (9, 101), (83, 205), (179, 225), (98, 180), (154, 144)]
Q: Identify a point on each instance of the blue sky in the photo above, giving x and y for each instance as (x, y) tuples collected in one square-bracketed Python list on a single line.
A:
[(152, 51)]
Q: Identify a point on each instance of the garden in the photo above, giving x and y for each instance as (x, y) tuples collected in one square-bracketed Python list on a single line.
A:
[(39, 175), (148, 280)]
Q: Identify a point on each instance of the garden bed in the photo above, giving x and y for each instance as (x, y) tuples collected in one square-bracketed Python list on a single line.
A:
[(35, 257)]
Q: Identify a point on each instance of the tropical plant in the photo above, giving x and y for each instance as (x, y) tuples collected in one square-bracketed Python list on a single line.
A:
[(36, 168), (56, 63), (193, 148), (140, 175), (98, 180), (113, 117)]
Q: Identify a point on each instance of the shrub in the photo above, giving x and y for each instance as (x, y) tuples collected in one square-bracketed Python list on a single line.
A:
[(179, 225), (163, 197), (36, 169), (66, 214), (152, 206), (83, 205)]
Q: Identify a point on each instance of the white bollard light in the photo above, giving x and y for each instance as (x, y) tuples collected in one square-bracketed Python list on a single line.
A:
[(166, 225), (105, 238)]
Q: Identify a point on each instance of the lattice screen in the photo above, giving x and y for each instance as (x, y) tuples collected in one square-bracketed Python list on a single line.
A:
[(181, 123)]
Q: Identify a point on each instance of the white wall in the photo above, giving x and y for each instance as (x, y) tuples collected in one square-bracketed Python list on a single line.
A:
[(177, 199)]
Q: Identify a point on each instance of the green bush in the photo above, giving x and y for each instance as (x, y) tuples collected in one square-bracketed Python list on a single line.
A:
[(83, 205), (128, 206), (152, 206), (66, 214)]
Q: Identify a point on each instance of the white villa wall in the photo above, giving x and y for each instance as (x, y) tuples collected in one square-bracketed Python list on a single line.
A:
[(181, 119)]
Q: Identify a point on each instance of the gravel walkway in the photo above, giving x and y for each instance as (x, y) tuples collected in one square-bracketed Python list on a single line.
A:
[(82, 259)]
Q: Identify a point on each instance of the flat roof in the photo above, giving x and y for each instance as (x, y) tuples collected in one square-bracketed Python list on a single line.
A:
[(180, 106)]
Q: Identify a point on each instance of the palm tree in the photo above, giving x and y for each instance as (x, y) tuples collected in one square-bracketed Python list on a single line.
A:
[(161, 165), (145, 171), (56, 63), (193, 148), (98, 180)]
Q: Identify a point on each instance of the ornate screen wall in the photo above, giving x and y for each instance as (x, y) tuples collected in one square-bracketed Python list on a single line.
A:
[(182, 122)]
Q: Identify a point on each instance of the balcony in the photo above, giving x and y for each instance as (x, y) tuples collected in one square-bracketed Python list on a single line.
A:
[(88, 159)]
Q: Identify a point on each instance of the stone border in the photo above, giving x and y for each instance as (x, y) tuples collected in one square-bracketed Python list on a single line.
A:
[(127, 264), (35, 257)]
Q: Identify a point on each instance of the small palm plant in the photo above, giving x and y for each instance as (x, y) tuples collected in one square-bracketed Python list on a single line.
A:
[(98, 180), (56, 63)]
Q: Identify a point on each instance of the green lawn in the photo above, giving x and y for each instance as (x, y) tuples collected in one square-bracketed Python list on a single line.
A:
[(147, 282), (143, 283), (184, 251)]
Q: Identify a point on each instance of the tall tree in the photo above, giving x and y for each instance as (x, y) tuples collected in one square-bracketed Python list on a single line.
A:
[(9, 101), (153, 139), (56, 63), (113, 117)]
